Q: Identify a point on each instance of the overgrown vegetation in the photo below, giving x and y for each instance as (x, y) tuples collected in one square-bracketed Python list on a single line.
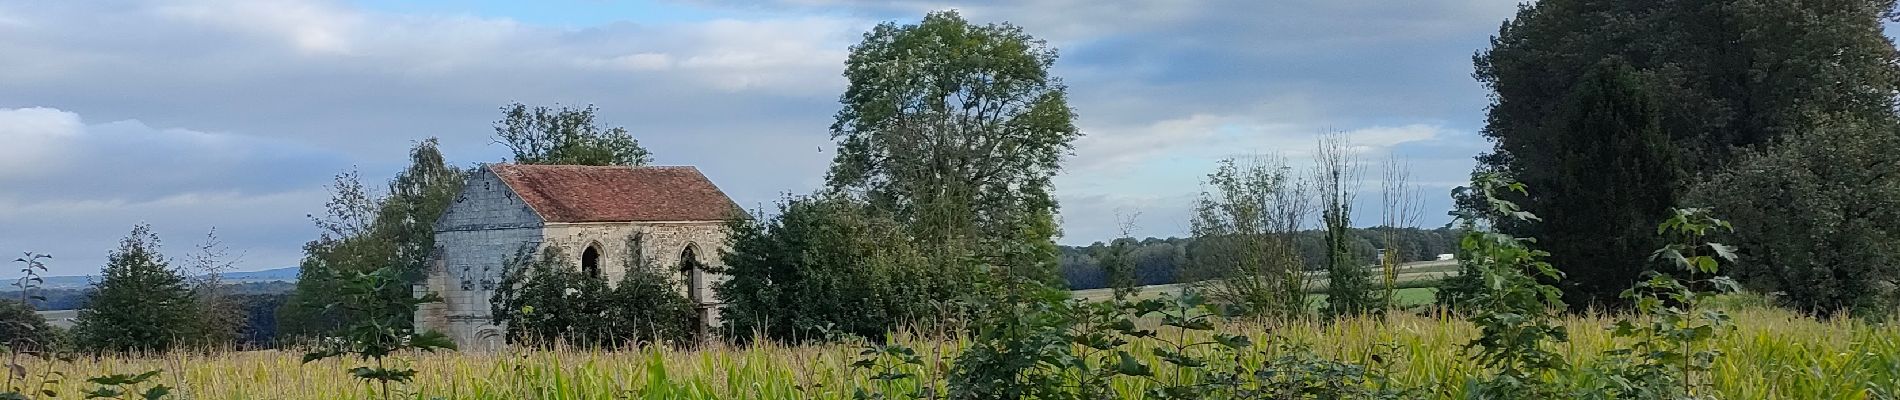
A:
[(546, 299), (381, 334)]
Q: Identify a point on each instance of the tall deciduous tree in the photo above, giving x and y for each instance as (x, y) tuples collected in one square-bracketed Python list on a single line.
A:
[(141, 303), (565, 136), (220, 316), (1349, 288), (363, 231), (417, 197), (955, 129), (1725, 75), (1600, 194), (1245, 225)]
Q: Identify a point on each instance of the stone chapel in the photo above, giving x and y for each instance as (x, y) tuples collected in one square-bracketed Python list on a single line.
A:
[(587, 211)]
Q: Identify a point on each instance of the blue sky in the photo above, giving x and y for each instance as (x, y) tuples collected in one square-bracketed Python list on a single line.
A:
[(234, 114)]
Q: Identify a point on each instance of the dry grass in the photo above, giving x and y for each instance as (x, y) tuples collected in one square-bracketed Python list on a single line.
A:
[(1774, 355)]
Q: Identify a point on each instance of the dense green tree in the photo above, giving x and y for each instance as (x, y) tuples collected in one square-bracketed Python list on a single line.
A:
[(546, 299), (1724, 76), (955, 129), (824, 266), (417, 198), (565, 136), (22, 327), (141, 302), (1602, 193), (363, 231), (1727, 74), (1817, 218), (344, 245), (649, 305)]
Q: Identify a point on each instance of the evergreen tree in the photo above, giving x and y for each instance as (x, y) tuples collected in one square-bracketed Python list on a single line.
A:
[(1601, 195), (1725, 76), (141, 304), (22, 327)]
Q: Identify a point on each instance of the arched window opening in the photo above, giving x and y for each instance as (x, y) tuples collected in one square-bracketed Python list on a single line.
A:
[(694, 274), (590, 261)]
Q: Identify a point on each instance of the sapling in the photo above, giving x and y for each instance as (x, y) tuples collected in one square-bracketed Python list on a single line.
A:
[(379, 302)]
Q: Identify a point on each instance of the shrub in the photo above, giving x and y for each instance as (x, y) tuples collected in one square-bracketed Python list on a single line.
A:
[(545, 299), (1818, 218), (826, 265)]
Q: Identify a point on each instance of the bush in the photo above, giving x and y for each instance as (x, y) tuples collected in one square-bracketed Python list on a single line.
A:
[(1818, 218), (545, 299), (825, 266)]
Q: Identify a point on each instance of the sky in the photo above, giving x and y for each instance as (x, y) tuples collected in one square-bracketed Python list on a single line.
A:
[(192, 115)]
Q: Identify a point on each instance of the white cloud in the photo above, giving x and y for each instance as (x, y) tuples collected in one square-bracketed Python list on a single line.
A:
[(309, 26), (37, 140), (81, 185)]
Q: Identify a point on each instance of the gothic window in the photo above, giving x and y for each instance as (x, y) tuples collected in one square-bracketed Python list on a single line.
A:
[(590, 261), (694, 274)]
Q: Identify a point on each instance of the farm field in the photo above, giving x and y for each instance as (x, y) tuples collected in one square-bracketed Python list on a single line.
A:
[(1410, 276), (1774, 355)]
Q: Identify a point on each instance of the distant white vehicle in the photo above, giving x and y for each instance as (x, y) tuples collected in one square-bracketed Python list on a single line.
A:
[(1446, 257)]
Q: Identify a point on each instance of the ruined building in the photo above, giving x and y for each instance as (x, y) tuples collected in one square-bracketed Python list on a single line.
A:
[(590, 212)]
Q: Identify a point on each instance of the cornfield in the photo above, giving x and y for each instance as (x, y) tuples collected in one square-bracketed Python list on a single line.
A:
[(1774, 354)]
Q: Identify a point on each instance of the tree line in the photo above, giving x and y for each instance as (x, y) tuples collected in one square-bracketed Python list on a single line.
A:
[(1159, 261)]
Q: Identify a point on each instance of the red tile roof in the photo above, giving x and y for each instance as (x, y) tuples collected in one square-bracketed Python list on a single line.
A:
[(578, 193)]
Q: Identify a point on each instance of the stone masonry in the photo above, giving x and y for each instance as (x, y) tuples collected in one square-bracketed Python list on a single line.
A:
[(491, 222)]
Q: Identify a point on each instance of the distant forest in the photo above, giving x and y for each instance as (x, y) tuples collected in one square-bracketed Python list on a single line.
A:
[(1158, 261), (74, 299)]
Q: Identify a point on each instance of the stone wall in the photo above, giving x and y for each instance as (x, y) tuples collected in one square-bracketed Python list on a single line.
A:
[(485, 227), (662, 244), (488, 225)]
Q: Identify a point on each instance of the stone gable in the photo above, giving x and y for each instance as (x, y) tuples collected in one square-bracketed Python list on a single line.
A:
[(491, 222)]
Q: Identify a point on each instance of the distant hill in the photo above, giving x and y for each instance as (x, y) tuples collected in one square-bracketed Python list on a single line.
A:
[(287, 274)]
